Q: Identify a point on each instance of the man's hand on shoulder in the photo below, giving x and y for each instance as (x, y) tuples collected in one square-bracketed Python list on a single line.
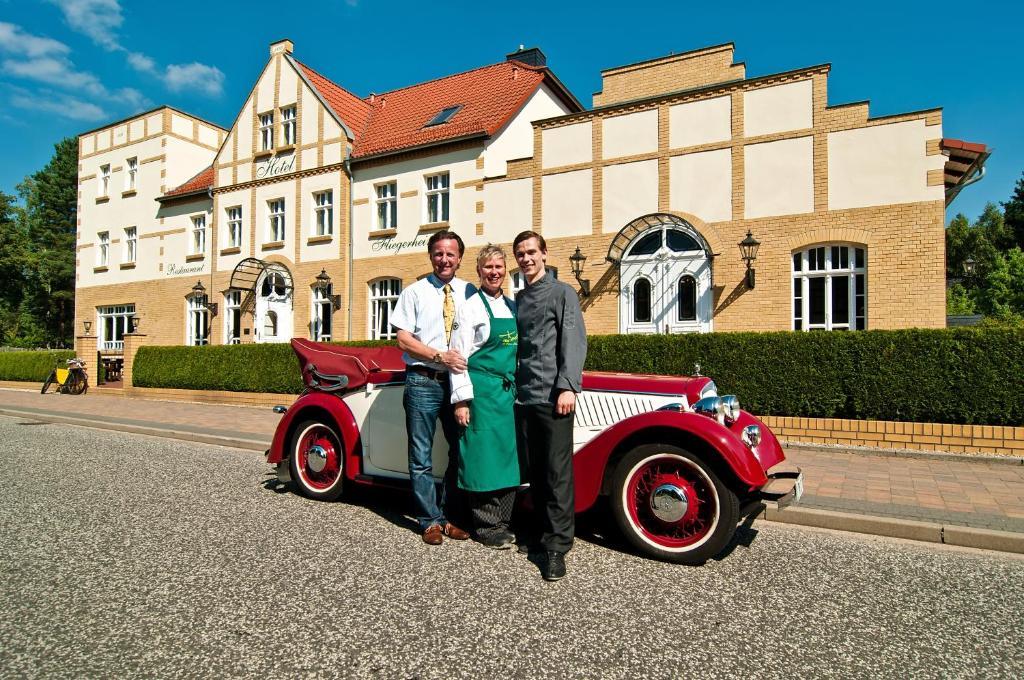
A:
[(566, 403)]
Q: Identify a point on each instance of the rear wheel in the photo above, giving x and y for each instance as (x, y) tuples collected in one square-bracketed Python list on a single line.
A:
[(671, 505), (317, 461), (49, 381), (78, 384)]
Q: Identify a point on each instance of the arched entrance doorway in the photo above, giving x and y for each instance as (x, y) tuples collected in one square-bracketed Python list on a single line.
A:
[(664, 276), (272, 314)]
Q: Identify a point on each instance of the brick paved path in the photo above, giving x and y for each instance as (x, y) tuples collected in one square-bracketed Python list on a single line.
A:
[(958, 490)]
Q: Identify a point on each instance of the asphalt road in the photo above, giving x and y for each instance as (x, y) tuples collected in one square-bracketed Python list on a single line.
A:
[(126, 555)]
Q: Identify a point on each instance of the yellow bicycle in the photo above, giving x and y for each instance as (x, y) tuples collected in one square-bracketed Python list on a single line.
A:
[(70, 380)]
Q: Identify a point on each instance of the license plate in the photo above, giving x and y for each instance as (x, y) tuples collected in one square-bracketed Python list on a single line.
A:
[(799, 487)]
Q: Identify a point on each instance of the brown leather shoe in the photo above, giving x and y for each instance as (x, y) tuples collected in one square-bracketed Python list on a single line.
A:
[(432, 536), (455, 533)]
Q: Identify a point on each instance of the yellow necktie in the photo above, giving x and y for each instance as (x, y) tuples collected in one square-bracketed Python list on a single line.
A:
[(449, 312)]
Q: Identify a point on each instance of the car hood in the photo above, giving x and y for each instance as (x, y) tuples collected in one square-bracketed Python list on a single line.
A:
[(632, 383)]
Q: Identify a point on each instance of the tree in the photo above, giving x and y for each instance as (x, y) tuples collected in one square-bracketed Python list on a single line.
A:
[(50, 217), (1013, 213), (13, 250)]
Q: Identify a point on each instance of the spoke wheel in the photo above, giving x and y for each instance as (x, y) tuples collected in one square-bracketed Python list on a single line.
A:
[(47, 383), (671, 505), (317, 461), (79, 384)]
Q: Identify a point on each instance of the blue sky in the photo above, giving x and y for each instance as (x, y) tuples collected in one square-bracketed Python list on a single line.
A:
[(71, 65)]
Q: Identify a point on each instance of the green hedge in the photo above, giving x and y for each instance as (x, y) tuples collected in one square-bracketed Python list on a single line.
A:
[(32, 366), (232, 368), (962, 375)]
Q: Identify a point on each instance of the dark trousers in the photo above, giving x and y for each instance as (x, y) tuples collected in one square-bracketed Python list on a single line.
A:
[(491, 511), (547, 440)]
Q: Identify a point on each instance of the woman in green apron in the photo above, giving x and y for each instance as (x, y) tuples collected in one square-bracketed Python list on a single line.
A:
[(484, 397)]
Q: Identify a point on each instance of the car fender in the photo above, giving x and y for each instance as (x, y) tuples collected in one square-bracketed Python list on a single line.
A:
[(314, 404), (590, 461)]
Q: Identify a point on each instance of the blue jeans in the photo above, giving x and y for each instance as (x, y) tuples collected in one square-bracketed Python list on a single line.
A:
[(425, 400)]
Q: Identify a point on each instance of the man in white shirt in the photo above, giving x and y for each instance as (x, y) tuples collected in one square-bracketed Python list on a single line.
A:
[(425, 318)]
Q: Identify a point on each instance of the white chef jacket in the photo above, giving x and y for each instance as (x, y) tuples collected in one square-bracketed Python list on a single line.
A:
[(473, 329), (420, 310)]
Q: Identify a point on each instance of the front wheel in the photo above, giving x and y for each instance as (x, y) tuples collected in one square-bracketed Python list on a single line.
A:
[(316, 461), (79, 384), (669, 504), (49, 381)]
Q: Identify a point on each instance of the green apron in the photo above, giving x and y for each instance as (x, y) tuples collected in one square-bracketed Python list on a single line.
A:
[(488, 458)]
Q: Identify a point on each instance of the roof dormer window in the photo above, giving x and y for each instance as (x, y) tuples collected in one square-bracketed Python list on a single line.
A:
[(444, 115)]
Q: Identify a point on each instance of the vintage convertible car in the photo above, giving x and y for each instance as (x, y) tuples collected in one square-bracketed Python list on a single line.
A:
[(680, 465)]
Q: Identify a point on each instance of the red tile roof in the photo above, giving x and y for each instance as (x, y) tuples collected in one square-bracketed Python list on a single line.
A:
[(392, 121), (200, 182)]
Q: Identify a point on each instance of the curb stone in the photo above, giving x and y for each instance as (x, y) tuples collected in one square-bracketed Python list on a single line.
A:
[(967, 537)]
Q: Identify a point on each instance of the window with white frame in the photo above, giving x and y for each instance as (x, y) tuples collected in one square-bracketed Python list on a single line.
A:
[(266, 131), (323, 211), (103, 251), (197, 321), (275, 219), (198, 242), (383, 298), (132, 165), (387, 205), (234, 223), (233, 317), (131, 241), (519, 281), (437, 197), (114, 322), (104, 180), (288, 125), (322, 310), (830, 288)]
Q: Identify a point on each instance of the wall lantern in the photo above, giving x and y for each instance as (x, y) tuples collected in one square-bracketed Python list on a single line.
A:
[(969, 265), (576, 260), (199, 291), (88, 326), (323, 284), (748, 250)]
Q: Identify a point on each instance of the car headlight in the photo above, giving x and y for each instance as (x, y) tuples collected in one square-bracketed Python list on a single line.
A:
[(751, 435), (711, 407), (731, 407)]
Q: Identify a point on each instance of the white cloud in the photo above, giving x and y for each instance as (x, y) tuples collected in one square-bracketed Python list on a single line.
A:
[(98, 19), (61, 104), (53, 71), (13, 39), (208, 80), (140, 62)]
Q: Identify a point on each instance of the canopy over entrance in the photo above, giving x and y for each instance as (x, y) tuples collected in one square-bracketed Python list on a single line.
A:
[(638, 226)]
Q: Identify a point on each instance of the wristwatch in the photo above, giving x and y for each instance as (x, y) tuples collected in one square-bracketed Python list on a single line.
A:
[(437, 359)]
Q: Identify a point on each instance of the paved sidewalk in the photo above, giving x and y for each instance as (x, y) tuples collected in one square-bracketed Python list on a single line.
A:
[(842, 486)]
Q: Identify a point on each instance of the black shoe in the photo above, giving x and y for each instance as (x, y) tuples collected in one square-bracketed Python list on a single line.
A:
[(501, 540), (554, 566), (529, 548)]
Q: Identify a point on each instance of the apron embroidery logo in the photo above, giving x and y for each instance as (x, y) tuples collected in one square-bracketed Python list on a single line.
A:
[(509, 338)]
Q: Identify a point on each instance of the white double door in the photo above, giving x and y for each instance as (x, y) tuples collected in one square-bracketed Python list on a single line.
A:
[(273, 312), (665, 293)]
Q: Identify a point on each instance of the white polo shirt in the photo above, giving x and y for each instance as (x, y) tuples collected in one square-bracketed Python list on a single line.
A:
[(420, 310)]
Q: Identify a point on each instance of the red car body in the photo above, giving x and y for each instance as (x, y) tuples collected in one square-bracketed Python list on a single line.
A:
[(687, 458)]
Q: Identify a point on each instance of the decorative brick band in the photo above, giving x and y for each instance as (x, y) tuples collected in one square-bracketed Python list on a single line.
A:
[(988, 439)]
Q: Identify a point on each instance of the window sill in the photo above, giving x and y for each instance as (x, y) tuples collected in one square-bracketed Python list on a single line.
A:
[(99, 270), (273, 245), (129, 193), (383, 233), (314, 240), (260, 155), (231, 251), (286, 147), (434, 226), (103, 199), (127, 265), (198, 257)]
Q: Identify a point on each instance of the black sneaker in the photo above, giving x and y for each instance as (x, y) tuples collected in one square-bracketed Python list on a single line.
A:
[(554, 566), (501, 540)]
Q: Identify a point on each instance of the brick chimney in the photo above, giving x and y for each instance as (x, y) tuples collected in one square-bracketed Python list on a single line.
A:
[(281, 46), (530, 57)]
